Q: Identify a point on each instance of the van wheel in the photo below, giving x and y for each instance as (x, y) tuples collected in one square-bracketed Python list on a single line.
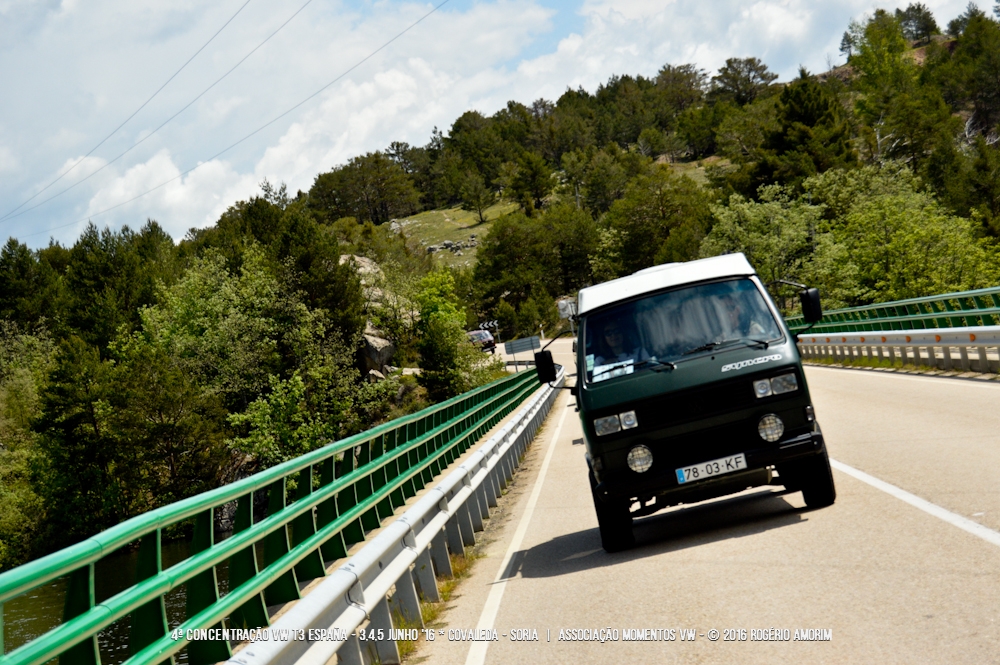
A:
[(815, 479), (613, 521)]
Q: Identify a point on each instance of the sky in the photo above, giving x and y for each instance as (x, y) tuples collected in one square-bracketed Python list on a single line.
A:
[(73, 72)]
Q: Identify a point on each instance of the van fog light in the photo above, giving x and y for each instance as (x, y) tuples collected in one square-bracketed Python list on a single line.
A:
[(640, 459), (770, 428)]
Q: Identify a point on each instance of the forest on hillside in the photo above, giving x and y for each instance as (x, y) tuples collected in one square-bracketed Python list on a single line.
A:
[(135, 370)]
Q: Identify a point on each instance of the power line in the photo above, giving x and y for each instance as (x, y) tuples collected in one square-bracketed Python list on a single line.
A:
[(254, 132), (124, 122), (9, 215)]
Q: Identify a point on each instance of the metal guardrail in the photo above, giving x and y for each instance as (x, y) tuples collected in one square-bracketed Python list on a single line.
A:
[(918, 347), (400, 560), (361, 480), (963, 309)]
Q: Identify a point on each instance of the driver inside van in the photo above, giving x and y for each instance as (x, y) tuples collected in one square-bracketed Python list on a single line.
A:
[(619, 346), (740, 323)]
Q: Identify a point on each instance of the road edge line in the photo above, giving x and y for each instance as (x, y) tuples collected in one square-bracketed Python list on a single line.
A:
[(964, 523), (477, 652)]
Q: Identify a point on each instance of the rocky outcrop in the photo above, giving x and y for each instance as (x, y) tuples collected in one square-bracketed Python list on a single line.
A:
[(375, 354)]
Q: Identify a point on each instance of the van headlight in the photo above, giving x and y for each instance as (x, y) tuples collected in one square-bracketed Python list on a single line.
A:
[(778, 385), (608, 425)]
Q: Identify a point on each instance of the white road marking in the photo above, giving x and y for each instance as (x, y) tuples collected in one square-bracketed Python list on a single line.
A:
[(964, 523), (477, 652), (963, 381)]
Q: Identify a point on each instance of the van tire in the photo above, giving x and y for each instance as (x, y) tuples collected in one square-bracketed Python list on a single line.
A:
[(613, 521), (815, 479)]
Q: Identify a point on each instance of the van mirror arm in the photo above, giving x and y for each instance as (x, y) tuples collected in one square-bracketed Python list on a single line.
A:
[(565, 332)]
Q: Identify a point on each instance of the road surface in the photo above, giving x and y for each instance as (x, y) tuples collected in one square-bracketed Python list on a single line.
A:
[(904, 568)]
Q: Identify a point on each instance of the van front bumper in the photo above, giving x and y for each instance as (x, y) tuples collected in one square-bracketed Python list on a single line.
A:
[(661, 479)]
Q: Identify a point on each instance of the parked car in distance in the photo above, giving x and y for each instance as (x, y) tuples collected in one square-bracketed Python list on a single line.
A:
[(483, 339)]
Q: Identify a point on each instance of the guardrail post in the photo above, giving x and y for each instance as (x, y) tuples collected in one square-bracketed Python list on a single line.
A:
[(439, 554), (285, 588), (304, 526), (892, 355), (984, 361), (79, 599), (464, 516), (349, 653), (474, 508), (947, 361), (903, 353), (381, 618), (423, 569), (490, 489), (405, 600), (149, 621), (963, 353), (203, 592), (326, 512), (243, 567), (918, 359), (455, 541)]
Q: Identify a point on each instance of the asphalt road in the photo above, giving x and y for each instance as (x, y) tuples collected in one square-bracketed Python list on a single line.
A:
[(896, 573)]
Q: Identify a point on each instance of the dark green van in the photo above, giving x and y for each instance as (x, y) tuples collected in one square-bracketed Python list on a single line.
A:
[(690, 387)]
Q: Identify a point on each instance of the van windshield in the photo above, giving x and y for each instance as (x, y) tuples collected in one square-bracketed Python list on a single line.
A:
[(665, 327)]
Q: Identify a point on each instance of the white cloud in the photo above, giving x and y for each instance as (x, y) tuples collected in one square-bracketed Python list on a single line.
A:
[(194, 200), (8, 162), (76, 70)]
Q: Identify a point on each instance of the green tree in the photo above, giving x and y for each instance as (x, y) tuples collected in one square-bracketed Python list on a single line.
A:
[(25, 362), (958, 25), (449, 363), (775, 233), (917, 22), (681, 86), (812, 136), (882, 70), (372, 187), (111, 274), (476, 196), (661, 218), (741, 80)]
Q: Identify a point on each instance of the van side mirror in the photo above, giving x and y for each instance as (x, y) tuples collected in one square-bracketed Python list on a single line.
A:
[(546, 367), (812, 311)]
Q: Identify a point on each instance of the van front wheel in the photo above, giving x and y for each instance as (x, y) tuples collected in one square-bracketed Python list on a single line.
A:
[(815, 479), (613, 521)]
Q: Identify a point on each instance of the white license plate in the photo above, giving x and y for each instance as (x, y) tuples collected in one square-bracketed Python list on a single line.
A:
[(716, 467)]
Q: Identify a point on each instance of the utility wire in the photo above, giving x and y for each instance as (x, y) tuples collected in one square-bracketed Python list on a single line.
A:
[(124, 122), (254, 132), (164, 123)]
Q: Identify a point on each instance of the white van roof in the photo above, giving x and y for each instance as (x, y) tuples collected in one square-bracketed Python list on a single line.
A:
[(662, 277)]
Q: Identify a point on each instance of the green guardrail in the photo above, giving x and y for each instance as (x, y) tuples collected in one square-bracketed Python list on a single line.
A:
[(950, 310), (361, 481)]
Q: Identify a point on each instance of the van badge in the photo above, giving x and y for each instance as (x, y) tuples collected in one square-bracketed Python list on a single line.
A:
[(752, 361)]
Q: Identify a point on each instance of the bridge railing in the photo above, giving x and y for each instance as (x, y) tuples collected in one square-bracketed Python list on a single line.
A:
[(950, 310), (340, 491), (963, 349)]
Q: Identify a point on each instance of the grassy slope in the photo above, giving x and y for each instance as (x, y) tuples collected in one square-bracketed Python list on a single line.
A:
[(435, 226)]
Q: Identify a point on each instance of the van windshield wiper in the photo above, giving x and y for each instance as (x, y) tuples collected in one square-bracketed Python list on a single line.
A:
[(749, 341), (651, 363), (656, 365)]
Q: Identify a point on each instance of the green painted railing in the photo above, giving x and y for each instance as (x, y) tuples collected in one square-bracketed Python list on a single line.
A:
[(341, 491), (950, 310)]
